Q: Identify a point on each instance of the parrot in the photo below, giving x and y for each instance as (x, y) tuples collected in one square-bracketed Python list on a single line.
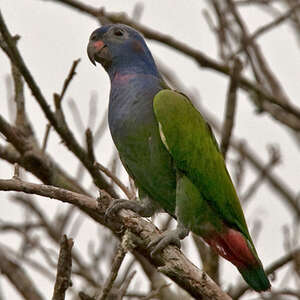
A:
[(170, 151)]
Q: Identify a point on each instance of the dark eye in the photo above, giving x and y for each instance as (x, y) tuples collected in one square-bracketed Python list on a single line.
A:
[(119, 32), (94, 37)]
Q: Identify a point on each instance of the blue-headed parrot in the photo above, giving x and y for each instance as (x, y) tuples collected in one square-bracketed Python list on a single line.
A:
[(169, 150)]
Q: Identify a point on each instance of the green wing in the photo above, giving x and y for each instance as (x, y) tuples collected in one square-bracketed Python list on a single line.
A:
[(194, 149)]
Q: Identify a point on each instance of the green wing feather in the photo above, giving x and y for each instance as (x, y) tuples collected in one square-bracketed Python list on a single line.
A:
[(194, 149)]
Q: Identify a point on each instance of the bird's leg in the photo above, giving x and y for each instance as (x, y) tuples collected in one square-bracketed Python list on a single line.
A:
[(145, 207), (169, 237)]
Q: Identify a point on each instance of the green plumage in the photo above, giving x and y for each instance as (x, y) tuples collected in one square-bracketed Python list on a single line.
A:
[(206, 200), (191, 144)]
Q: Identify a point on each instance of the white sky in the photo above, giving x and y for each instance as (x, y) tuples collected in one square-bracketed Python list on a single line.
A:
[(52, 36)]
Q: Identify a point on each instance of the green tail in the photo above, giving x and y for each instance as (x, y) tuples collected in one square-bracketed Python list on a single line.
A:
[(255, 277)]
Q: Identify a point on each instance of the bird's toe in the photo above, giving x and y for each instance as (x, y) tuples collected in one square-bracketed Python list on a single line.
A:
[(164, 240)]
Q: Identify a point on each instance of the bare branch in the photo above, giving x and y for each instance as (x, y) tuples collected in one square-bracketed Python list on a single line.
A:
[(115, 179), (270, 80), (269, 26), (29, 261), (67, 81), (274, 160), (18, 277), (90, 144), (125, 285), (172, 262), (230, 107), (200, 58), (64, 266), (16, 172), (155, 293), (57, 122), (84, 296), (46, 136), (76, 115), (118, 259)]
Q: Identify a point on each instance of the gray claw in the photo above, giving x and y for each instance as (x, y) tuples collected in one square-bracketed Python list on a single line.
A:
[(145, 209), (116, 206), (164, 240), (119, 204)]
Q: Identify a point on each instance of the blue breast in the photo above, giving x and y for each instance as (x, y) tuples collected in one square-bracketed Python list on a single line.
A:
[(135, 133)]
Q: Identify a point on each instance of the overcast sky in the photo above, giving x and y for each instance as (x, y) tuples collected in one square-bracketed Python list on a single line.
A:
[(52, 36)]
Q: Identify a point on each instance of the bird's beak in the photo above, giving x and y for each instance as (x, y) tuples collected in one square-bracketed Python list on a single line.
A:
[(98, 52)]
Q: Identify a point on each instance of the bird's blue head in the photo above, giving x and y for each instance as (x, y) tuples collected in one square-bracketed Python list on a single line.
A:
[(120, 49)]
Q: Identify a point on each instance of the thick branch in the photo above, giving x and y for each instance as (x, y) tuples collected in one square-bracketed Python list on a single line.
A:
[(171, 262)]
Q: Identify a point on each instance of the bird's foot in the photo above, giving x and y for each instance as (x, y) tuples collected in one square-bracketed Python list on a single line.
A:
[(143, 209), (168, 237)]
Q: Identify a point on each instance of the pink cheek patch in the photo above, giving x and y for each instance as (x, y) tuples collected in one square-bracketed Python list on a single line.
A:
[(98, 45)]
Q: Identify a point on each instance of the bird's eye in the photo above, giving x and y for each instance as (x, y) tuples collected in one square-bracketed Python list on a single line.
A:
[(118, 32), (93, 37)]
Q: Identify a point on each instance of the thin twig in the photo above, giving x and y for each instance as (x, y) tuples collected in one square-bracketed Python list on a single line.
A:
[(18, 278), (93, 111), (10, 103), (64, 266), (274, 160), (34, 264), (119, 257), (76, 115), (67, 81), (230, 107), (46, 136), (84, 296), (21, 119), (101, 128), (16, 171), (156, 292), (269, 77), (269, 26), (90, 144), (127, 281), (108, 173)]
